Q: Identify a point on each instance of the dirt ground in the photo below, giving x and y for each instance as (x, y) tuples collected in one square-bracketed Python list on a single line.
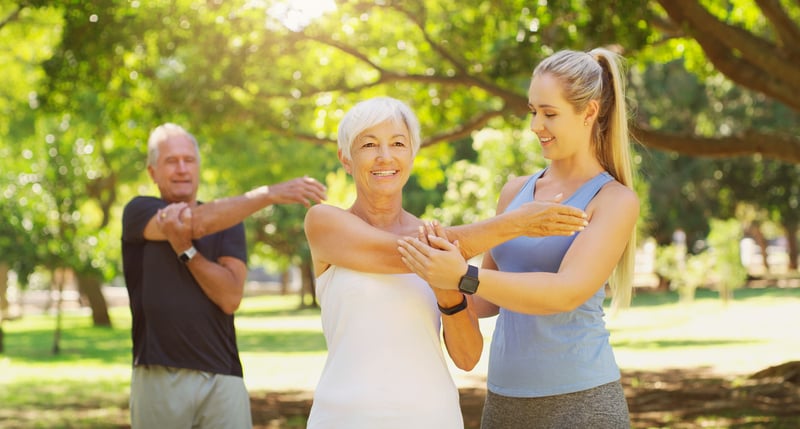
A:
[(671, 398)]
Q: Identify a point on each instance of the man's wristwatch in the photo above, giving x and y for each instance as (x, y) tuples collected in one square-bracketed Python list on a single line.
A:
[(187, 255), (469, 281)]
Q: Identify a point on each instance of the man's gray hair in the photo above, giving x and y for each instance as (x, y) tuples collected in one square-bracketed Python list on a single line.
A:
[(160, 134)]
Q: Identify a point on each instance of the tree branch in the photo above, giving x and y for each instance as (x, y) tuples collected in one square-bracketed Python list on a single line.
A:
[(787, 30), (744, 58), (11, 16), (462, 131), (462, 69), (770, 145)]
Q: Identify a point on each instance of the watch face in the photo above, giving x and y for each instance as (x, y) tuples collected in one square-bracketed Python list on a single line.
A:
[(468, 285)]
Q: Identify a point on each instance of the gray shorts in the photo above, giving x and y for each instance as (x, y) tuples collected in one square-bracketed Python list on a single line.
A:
[(601, 407), (164, 397)]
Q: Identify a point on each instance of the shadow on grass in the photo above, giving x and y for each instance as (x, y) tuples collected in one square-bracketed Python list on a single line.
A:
[(106, 345), (64, 403)]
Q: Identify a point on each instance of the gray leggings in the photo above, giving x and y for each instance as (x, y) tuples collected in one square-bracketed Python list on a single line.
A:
[(602, 407)]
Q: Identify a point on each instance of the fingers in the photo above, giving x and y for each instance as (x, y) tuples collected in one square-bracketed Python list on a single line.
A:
[(440, 231), (302, 190), (170, 212), (410, 254), (422, 235), (441, 243)]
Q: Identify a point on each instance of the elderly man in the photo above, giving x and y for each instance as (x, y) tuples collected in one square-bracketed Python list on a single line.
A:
[(185, 268)]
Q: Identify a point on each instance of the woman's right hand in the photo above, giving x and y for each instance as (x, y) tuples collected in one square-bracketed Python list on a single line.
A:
[(547, 218)]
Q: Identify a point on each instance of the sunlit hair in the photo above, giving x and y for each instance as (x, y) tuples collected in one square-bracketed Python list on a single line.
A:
[(162, 133), (372, 112), (598, 75)]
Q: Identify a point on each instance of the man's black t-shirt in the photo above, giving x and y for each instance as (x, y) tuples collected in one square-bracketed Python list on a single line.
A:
[(174, 323)]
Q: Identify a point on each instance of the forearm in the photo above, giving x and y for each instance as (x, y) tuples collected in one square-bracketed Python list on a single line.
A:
[(532, 293), (462, 335), (219, 283), (477, 238), (224, 213)]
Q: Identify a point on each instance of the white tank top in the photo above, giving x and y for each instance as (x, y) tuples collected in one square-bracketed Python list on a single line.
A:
[(385, 365)]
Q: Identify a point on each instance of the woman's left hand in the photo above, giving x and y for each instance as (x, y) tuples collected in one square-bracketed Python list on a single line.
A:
[(441, 266)]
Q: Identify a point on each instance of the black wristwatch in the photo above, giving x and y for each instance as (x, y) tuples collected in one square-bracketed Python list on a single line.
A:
[(469, 281), (187, 255)]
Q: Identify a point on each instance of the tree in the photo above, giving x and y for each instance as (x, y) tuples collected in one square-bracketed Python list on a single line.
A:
[(251, 86), (754, 46)]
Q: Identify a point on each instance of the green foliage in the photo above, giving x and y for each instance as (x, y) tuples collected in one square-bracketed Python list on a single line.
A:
[(474, 188), (718, 265), (89, 80), (727, 268), (686, 272)]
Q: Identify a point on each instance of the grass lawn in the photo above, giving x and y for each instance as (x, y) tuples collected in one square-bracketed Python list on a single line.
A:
[(86, 386)]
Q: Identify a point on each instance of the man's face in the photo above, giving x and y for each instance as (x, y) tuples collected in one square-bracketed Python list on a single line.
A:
[(177, 169)]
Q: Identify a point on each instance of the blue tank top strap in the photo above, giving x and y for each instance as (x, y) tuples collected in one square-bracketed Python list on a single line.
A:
[(579, 199), (588, 190)]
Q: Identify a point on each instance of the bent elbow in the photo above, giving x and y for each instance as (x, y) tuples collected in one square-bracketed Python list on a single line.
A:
[(468, 363), (469, 356), (230, 307)]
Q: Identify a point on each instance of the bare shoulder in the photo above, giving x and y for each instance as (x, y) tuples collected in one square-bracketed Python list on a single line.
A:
[(619, 196), (320, 212), (321, 215), (323, 208)]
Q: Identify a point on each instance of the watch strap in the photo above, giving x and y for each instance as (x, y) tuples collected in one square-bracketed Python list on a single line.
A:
[(449, 311), (187, 255)]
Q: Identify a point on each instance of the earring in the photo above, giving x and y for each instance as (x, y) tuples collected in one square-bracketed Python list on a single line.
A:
[(585, 123)]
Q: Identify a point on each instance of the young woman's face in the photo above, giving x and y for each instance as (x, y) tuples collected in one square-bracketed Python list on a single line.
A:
[(381, 158), (562, 132)]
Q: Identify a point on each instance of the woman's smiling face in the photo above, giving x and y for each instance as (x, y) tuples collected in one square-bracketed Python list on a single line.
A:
[(381, 158), (560, 129)]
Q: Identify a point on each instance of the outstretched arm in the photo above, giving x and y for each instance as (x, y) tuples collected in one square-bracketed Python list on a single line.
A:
[(586, 266), (224, 213), (533, 219)]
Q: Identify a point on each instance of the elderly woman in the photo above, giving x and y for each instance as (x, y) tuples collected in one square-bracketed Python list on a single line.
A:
[(385, 365)]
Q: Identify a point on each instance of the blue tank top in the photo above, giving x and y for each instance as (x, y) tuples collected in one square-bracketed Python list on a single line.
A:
[(534, 356)]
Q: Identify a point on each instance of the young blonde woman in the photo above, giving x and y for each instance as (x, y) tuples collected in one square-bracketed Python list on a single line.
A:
[(551, 364)]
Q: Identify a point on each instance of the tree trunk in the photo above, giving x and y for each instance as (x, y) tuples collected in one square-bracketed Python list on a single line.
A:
[(285, 278), (308, 286), (755, 231), (58, 280), (4, 268), (3, 300), (791, 240), (91, 287)]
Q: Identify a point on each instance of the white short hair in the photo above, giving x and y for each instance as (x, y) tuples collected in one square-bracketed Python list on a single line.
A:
[(372, 112)]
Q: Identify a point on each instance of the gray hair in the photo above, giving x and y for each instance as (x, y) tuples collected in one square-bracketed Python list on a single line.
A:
[(161, 134), (372, 112)]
